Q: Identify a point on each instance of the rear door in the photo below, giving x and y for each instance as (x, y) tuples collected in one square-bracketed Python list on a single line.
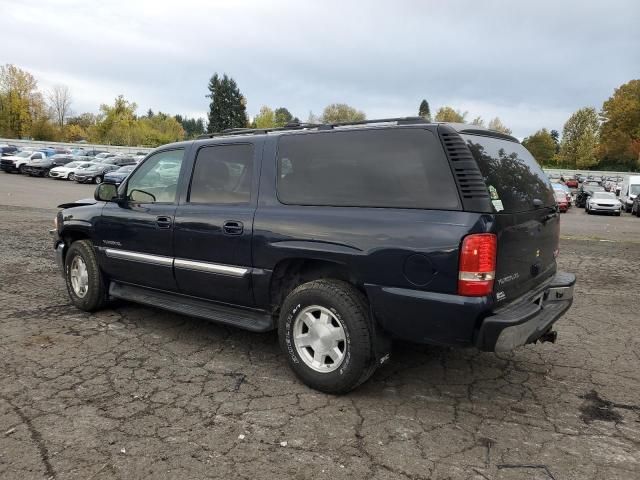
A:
[(214, 224), (527, 219)]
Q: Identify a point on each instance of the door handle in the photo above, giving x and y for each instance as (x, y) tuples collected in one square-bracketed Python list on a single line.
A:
[(163, 221), (233, 227)]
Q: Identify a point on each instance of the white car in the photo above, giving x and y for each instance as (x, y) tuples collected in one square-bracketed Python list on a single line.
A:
[(604, 202), (69, 170)]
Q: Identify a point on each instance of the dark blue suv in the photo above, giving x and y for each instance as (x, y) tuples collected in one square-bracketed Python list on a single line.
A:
[(342, 237)]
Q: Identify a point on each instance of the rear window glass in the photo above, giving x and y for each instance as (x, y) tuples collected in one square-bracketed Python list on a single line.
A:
[(513, 177), (397, 168)]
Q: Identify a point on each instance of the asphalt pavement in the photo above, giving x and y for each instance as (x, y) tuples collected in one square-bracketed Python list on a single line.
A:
[(133, 392)]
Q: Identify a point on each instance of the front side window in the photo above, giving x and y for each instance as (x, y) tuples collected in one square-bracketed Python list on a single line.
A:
[(395, 168), (222, 175), (156, 181)]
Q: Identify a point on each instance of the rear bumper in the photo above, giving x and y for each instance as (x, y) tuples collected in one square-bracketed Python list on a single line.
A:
[(453, 320), (526, 321)]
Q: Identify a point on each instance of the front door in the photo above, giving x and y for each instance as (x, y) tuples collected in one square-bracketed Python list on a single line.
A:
[(214, 225), (135, 236)]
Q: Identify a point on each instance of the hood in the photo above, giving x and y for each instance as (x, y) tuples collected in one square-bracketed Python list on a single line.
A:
[(13, 157), (78, 203), (604, 201)]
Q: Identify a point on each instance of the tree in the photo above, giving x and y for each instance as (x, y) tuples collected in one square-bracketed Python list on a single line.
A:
[(448, 114), (117, 125), (60, 102), (556, 139), (341, 112), (265, 119), (542, 146), (228, 107), (18, 95), (620, 128), (193, 127), (497, 125), (478, 121), (73, 133), (424, 111), (579, 139), (283, 116)]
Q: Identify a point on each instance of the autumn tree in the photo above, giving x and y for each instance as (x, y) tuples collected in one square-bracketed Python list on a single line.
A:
[(478, 121), (448, 114), (228, 107), (541, 145), (497, 125), (18, 98), (265, 119), (341, 112), (424, 111), (580, 139), (116, 126), (60, 103), (620, 129)]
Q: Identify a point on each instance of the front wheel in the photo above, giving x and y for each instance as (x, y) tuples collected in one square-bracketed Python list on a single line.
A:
[(97, 180), (83, 277), (21, 169), (325, 331), (71, 177)]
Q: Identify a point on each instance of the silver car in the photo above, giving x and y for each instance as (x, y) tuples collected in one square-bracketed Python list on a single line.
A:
[(604, 202)]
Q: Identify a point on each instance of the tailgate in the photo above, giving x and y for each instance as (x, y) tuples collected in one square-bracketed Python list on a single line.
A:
[(527, 221)]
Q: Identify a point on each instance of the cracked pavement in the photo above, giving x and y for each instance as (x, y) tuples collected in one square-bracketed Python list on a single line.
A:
[(133, 393)]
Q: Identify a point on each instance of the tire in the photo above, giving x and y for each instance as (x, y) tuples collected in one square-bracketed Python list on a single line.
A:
[(97, 180), (21, 169), (347, 308), (95, 295), (71, 177)]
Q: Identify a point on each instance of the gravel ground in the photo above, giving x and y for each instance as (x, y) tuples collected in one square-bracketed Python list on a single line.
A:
[(133, 393)]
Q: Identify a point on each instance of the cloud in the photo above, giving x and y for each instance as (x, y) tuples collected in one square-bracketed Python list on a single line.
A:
[(531, 63)]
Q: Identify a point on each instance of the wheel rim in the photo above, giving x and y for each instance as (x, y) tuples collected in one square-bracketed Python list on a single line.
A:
[(72, 176), (98, 180), (319, 338), (79, 276)]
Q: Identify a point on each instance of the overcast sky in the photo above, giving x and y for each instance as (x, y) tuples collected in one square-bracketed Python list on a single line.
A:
[(530, 63)]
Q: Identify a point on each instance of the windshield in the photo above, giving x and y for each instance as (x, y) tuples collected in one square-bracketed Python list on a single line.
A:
[(72, 164), (634, 189), (513, 177), (23, 154), (124, 170), (604, 196)]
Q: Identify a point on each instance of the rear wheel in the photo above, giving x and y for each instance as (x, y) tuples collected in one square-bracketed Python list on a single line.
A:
[(21, 169), (71, 177), (97, 180), (325, 332), (83, 277)]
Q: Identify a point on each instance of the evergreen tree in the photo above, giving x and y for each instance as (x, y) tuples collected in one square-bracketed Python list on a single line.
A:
[(228, 107), (283, 116), (556, 139), (424, 111)]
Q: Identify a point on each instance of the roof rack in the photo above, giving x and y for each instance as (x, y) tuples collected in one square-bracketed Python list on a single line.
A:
[(319, 126)]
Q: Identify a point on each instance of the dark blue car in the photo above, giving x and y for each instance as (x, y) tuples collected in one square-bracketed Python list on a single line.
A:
[(341, 237), (118, 176)]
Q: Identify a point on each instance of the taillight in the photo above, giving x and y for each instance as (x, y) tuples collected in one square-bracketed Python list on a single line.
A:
[(477, 265)]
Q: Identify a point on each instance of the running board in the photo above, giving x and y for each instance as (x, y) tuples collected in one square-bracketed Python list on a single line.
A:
[(255, 321)]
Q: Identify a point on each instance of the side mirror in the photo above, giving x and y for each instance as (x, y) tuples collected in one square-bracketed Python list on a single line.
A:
[(106, 192)]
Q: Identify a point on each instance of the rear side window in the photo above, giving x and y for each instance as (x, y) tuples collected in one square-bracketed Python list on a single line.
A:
[(513, 177), (222, 174), (397, 168)]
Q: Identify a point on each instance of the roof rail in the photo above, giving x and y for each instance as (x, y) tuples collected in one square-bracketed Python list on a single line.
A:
[(319, 126)]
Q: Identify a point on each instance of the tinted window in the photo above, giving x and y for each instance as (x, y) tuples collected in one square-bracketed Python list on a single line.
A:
[(512, 175), (398, 168), (157, 178), (222, 174)]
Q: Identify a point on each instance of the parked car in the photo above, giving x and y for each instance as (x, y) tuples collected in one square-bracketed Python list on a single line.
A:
[(339, 238), (103, 156), (603, 202), (67, 172), (585, 191), (6, 150), (564, 191), (572, 183), (60, 160), (117, 176), (630, 190), (94, 173), (120, 160), (39, 168), (18, 162), (561, 200)]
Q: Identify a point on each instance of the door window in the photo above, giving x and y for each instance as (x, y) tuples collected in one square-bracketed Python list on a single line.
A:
[(222, 175), (156, 181)]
